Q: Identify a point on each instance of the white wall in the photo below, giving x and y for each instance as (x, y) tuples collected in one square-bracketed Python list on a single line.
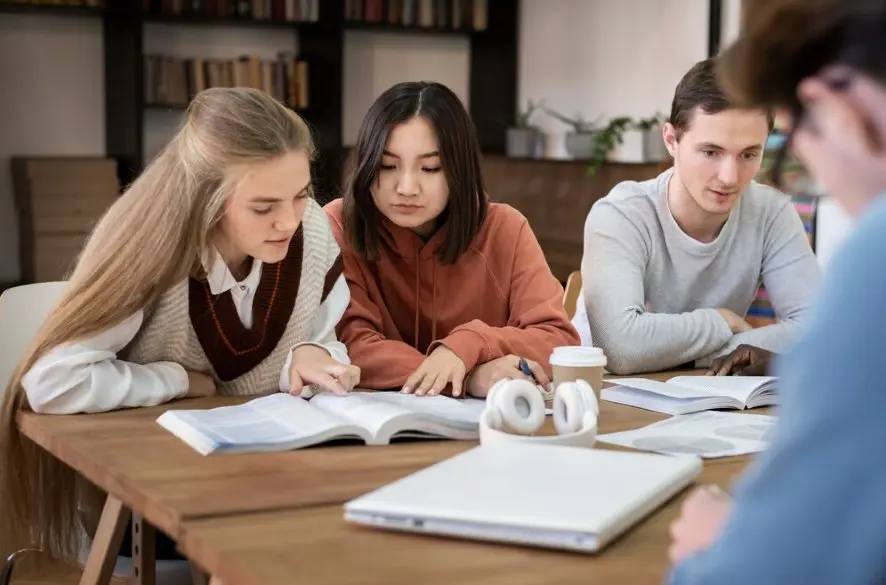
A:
[(731, 22), (51, 102), (596, 57), (605, 58), (832, 226), (375, 61)]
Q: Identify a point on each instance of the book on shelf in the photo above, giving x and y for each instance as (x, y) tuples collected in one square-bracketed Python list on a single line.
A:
[(685, 394), (272, 10), (81, 3), (280, 422), (449, 14), (174, 81)]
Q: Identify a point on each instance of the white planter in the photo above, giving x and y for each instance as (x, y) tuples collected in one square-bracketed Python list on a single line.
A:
[(654, 149), (525, 143), (580, 145)]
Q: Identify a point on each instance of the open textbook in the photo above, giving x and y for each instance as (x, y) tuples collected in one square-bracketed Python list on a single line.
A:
[(281, 422), (685, 394), (705, 434)]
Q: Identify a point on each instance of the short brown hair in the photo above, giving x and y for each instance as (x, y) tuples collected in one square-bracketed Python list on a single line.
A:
[(785, 41), (699, 88), (459, 154)]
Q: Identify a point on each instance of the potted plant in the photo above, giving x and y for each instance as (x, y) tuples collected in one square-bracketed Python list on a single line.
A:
[(654, 149), (581, 139), (523, 138), (606, 139)]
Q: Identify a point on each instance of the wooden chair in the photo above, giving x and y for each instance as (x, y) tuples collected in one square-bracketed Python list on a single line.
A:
[(570, 295)]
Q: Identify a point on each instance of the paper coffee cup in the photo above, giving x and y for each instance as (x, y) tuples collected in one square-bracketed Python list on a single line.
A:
[(570, 363)]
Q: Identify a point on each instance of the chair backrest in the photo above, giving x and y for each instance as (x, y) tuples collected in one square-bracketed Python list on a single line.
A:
[(570, 295), (22, 311)]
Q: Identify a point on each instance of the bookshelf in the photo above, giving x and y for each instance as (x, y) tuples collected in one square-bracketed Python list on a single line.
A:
[(492, 62)]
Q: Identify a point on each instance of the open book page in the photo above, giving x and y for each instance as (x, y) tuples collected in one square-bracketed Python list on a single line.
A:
[(738, 387), (391, 413), (277, 421), (706, 434), (672, 389)]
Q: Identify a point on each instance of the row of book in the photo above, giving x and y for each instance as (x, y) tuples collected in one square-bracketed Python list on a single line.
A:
[(276, 10), (455, 14), (87, 3), (174, 81)]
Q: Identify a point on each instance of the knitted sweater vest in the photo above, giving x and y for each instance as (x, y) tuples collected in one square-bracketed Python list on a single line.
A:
[(203, 333)]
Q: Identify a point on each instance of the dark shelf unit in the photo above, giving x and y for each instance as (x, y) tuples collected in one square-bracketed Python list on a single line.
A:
[(56, 9), (493, 75)]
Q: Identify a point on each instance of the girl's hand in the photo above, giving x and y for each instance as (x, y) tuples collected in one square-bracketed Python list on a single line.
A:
[(314, 365), (440, 368), (486, 375)]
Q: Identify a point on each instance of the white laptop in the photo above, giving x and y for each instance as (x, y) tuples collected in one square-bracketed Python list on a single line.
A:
[(554, 497)]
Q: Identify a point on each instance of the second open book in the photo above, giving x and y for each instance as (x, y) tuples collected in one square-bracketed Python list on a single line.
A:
[(685, 394), (280, 422)]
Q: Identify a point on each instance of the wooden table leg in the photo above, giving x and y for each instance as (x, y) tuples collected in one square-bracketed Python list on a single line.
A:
[(144, 552), (106, 543)]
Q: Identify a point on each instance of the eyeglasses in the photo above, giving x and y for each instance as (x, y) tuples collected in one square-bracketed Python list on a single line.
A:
[(797, 117)]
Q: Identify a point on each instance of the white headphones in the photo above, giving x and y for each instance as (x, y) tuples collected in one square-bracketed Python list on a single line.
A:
[(515, 411)]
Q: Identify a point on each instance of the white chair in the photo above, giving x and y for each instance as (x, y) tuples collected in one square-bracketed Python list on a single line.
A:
[(22, 311)]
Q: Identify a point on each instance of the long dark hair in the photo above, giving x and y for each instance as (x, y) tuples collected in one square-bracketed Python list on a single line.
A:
[(459, 156)]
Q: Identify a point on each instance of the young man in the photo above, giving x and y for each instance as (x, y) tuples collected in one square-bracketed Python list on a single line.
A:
[(811, 509), (671, 265)]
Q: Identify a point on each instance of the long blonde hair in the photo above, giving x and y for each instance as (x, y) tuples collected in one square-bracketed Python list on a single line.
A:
[(151, 238)]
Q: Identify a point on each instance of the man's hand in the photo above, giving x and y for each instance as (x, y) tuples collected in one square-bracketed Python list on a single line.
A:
[(200, 385), (744, 360), (314, 365), (440, 368), (702, 518), (486, 375), (736, 323)]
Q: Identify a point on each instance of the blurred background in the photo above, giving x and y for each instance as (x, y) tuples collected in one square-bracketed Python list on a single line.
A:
[(567, 96)]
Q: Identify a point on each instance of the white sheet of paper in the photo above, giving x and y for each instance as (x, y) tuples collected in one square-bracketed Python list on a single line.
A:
[(708, 434)]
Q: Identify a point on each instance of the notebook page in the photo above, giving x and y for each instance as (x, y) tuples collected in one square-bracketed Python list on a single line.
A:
[(360, 408), (671, 389), (373, 409), (454, 412), (278, 418), (738, 387)]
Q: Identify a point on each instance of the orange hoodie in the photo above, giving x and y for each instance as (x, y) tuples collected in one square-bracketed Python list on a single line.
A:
[(498, 298)]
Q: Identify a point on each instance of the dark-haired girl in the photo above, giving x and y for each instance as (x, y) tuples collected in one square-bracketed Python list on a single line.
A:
[(448, 290)]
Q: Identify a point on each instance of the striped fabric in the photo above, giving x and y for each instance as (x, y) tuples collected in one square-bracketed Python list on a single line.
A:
[(797, 182)]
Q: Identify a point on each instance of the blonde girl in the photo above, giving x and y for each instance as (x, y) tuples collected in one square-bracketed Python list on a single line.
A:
[(215, 272)]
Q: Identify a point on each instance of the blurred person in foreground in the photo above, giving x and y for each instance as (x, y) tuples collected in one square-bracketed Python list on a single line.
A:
[(810, 510)]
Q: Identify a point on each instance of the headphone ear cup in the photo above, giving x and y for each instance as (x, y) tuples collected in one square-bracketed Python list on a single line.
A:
[(518, 406), (572, 401)]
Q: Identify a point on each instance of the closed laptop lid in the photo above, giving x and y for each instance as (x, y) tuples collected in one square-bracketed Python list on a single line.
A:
[(546, 488)]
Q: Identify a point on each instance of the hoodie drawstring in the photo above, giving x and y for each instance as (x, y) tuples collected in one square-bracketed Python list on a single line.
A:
[(415, 342), (417, 298), (433, 302)]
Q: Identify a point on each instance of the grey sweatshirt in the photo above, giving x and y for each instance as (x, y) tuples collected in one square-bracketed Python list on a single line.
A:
[(650, 292)]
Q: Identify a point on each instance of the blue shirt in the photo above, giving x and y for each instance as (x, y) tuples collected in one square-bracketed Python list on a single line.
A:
[(812, 509)]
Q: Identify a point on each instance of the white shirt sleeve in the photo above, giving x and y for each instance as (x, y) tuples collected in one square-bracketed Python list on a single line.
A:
[(86, 376), (323, 333)]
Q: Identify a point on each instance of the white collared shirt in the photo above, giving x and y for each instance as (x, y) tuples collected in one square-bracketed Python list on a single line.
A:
[(86, 376)]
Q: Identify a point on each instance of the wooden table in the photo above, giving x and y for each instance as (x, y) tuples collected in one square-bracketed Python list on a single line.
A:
[(316, 546), (149, 472)]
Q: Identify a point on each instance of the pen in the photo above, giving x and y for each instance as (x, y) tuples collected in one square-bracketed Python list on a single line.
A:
[(524, 367)]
